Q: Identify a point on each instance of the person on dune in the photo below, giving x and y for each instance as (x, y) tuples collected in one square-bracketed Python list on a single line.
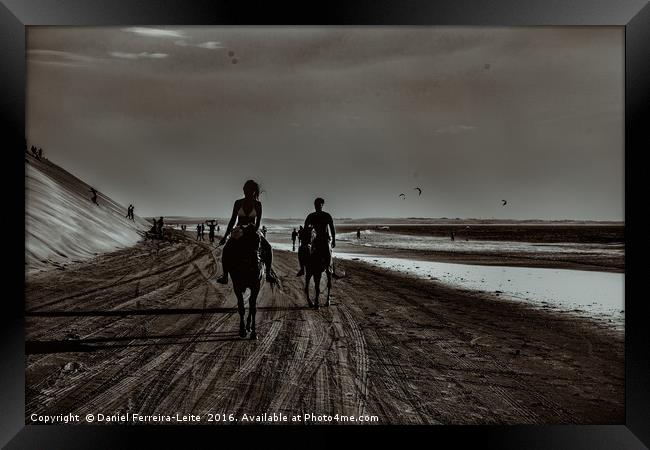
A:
[(246, 211)]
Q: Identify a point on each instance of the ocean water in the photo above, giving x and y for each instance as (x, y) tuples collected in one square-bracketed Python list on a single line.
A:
[(587, 292), (371, 238)]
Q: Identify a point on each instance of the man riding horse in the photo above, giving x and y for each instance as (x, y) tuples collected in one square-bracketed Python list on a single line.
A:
[(315, 254)]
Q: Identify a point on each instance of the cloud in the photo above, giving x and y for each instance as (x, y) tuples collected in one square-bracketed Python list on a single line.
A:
[(140, 55), (210, 45), (155, 32), (456, 129), (58, 57)]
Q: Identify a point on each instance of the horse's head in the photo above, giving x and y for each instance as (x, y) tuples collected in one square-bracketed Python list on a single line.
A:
[(306, 235)]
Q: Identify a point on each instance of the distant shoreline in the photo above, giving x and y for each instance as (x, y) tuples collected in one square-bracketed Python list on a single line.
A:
[(392, 221)]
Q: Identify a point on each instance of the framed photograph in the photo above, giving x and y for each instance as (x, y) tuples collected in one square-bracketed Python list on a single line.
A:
[(412, 217)]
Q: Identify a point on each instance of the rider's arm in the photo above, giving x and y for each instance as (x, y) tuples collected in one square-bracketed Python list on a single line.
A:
[(258, 215), (233, 219), (331, 225)]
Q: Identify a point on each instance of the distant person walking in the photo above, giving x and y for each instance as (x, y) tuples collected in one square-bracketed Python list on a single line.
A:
[(94, 197), (129, 212), (294, 235), (358, 233), (452, 235), (159, 226), (211, 225), (202, 232), (198, 233)]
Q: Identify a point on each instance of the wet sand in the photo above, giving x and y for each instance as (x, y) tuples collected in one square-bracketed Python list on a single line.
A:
[(151, 332)]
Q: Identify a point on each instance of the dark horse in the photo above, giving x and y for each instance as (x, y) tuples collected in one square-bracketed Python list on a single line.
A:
[(318, 258), (247, 270)]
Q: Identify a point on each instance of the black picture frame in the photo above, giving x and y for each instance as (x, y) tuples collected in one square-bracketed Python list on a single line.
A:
[(633, 15)]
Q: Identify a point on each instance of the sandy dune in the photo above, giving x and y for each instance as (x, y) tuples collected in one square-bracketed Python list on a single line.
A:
[(63, 225), (148, 330)]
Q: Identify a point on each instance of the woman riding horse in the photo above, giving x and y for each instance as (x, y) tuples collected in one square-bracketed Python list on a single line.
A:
[(246, 211)]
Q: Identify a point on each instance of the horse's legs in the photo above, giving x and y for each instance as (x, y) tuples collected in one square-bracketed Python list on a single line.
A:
[(252, 310), (317, 276), (248, 319), (241, 309), (329, 286), (307, 278)]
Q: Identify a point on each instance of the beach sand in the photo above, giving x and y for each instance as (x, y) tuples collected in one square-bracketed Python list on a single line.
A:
[(147, 329)]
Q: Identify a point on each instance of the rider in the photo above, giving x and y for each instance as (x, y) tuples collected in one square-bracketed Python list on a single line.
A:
[(319, 221), (246, 211)]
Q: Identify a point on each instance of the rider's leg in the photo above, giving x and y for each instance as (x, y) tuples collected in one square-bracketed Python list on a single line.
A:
[(301, 260), (225, 260), (267, 257)]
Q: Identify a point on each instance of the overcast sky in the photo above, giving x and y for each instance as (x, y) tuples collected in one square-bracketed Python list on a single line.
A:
[(167, 118)]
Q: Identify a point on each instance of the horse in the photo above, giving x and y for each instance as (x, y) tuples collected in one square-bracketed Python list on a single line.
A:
[(247, 271), (318, 258)]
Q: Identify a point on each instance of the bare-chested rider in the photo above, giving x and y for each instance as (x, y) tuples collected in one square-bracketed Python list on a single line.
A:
[(321, 222)]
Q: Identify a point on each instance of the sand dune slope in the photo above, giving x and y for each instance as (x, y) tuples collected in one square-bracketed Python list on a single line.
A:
[(63, 225)]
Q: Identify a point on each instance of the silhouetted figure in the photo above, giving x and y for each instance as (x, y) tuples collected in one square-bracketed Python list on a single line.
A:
[(300, 236), (294, 235), (452, 235), (129, 212), (199, 237), (94, 197), (211, 225), (321, 222), (202, 232), (159, 226), (358, 233), (246, 212), (218, 228)]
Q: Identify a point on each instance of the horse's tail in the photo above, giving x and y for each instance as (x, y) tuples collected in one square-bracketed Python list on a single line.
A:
[(273, 279)]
